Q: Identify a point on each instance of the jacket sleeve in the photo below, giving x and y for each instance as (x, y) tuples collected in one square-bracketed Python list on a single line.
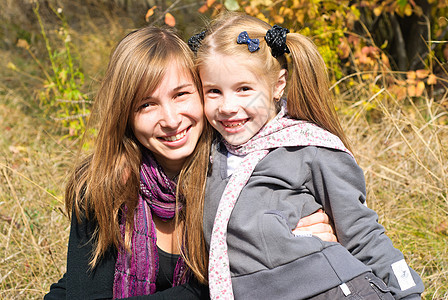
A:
[(57, 290), (338, 184)]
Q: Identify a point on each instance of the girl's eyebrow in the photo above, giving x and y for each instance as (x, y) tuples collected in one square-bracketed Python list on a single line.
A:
[(208, 84), (180, 87)]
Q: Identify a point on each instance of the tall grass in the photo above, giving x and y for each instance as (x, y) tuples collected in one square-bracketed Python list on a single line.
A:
[(402, 147)]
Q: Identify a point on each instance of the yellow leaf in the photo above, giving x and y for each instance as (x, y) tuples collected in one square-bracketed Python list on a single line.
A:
[(210, 2), (377, 11), (411, 81), (401, 93), (170, 20), (262, 17), (385, 60), (432, 79), (411, 90), (408, 10), (278, 19), (419, 88), (288, 12), (23, 44), (149, 13), (411, 75), (422, 73), (300, 16), (12, 66)]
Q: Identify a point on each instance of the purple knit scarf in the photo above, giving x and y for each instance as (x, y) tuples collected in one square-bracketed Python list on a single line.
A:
[(136, 272)]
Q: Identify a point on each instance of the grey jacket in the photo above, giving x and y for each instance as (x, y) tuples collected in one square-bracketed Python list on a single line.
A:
[(267, 261)]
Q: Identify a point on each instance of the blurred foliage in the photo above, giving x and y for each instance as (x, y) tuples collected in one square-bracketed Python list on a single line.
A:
[(376, 39)]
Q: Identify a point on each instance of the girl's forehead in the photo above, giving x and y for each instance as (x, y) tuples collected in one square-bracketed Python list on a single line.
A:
[(237, 66)]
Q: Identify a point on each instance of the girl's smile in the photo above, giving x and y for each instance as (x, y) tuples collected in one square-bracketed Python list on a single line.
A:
[(175, 138), (237, 102), (169, 122), (233, 125)]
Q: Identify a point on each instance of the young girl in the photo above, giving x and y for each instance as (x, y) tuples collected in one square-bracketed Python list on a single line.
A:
[(277, 162)]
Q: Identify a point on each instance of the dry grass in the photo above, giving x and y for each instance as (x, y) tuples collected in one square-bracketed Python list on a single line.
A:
[(33, 230), (403, 150), (402, 147)]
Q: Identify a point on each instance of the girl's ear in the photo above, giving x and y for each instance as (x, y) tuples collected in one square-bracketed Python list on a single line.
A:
[(281, 84)]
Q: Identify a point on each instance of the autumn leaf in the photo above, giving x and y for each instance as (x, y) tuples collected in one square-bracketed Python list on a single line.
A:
[(231, 5), (344, 49), (203, 8), (385, 60), (210, 2), (149, 13), (23, 44), (401, 93), (170, 20), (419, 88), (11, 66), (278, 19), (411, 75), (411, 90), (432, 79), (408, 10), (422, 73), (378, 11)]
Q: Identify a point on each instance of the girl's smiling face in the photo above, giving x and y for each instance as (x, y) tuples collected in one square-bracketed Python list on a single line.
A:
[(169, 122), (237, 103)]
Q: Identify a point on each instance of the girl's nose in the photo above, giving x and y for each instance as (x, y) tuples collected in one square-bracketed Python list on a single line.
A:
[(170, 116), (229, 105)]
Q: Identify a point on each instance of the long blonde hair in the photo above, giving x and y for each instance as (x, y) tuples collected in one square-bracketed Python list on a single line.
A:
[(109, 177), (308, 94)]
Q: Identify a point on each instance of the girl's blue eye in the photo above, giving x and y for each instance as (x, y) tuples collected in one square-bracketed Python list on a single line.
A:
[(214, 91), (144, 106), (180, 94)]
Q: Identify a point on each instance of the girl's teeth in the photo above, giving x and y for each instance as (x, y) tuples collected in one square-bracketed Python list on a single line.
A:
[(232, 125), (175, 137)]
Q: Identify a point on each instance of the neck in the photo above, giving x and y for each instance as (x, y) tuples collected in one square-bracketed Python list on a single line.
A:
[(170, 167)]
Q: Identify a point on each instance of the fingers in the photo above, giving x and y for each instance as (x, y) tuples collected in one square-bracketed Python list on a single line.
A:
[(328, 237), (315, 218)]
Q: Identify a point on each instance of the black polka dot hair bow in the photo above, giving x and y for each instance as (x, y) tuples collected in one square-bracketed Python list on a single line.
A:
[(195, 41), (276, 40), (252, 44)]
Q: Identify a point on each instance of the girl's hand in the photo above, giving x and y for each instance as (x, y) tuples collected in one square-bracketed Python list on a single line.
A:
[(318, 224)]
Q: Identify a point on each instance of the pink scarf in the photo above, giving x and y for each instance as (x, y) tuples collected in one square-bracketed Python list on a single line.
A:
[(136, 272), (280, 132)]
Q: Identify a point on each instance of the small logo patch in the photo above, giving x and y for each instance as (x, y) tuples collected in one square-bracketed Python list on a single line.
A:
[(403, 274)]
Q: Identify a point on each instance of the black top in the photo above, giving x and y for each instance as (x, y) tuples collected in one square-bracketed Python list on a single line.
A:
[(79, 282), (167, 264)]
